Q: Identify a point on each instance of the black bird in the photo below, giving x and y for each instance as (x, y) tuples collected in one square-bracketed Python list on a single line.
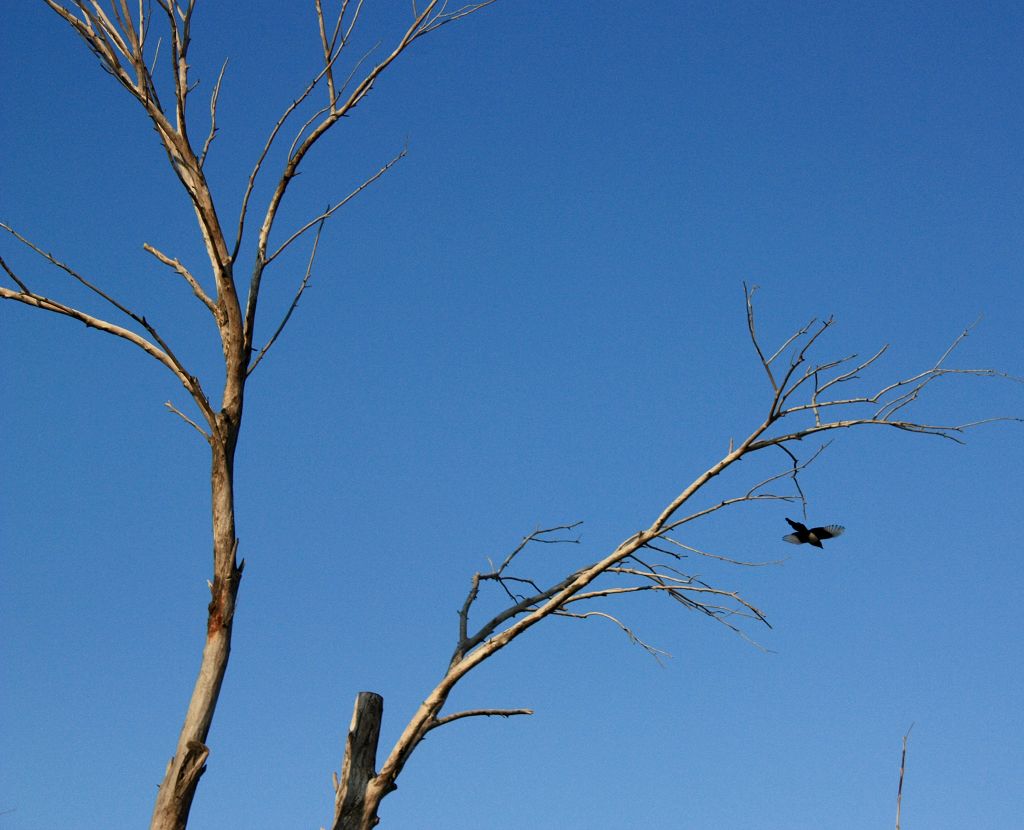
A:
[(812, 536)]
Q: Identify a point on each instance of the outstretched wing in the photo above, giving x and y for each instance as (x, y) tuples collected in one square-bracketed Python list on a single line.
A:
[(793, 538), (797, 526), (828, 531)]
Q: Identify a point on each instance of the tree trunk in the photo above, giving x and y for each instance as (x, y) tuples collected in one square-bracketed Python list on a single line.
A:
[(178, 788), (359, 766)]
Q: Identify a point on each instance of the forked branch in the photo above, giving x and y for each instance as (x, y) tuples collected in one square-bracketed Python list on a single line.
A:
[(433, 16), (295, 302)]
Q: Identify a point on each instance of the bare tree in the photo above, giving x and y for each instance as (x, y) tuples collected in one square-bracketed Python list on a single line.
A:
[(126, 38), (804, 395)]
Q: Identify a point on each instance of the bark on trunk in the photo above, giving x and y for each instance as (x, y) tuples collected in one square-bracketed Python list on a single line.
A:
[(178, 788), (359, 766)]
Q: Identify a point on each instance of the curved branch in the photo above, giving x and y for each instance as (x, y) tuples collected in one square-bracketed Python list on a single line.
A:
[(164, 354), (579, 586), (190, 383), (634, 638)]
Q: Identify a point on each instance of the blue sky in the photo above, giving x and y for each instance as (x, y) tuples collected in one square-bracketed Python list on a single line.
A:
[(535, 318)]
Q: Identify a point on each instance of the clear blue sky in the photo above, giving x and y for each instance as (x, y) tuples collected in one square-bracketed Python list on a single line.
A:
[(535, 318)]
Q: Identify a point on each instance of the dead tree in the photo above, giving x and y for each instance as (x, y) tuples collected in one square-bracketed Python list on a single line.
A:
[(804, 397), (129, 40)]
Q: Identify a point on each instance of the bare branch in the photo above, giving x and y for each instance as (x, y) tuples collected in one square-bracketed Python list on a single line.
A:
[(328, 47), (151, 67), (752, 494), (170, 406), (314, 118), (903, 767), (66, 269), (428, 20), (103, 38), (520, 604), (939, 430), (724, 606), (655, 652), (718, 613), (258, 166), (213, 115), (541, 537), (353, 72), (787, 389), (182, 271), (527, 604), (749, 294), (796, 335), (164, 354), (677, 589), (295, 302), (797, 467), (570, 591), (442, 18), (474, 592), (190, 383), (327, 214), (504, 580), (14, 277), (854, 372), (275, 131), (476, 713), (719, 557)]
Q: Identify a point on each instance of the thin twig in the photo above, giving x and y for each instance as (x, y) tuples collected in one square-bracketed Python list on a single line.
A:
[(327, 214), (477, 713), (188, 420), (213, 115), (541, 537), (295, 301), (258, 166), (654, 651), (14, 277), (719, 557), (749, 294), (903, 766)]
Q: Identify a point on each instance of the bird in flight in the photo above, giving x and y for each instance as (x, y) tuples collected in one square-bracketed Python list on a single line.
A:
[(812, 536)]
